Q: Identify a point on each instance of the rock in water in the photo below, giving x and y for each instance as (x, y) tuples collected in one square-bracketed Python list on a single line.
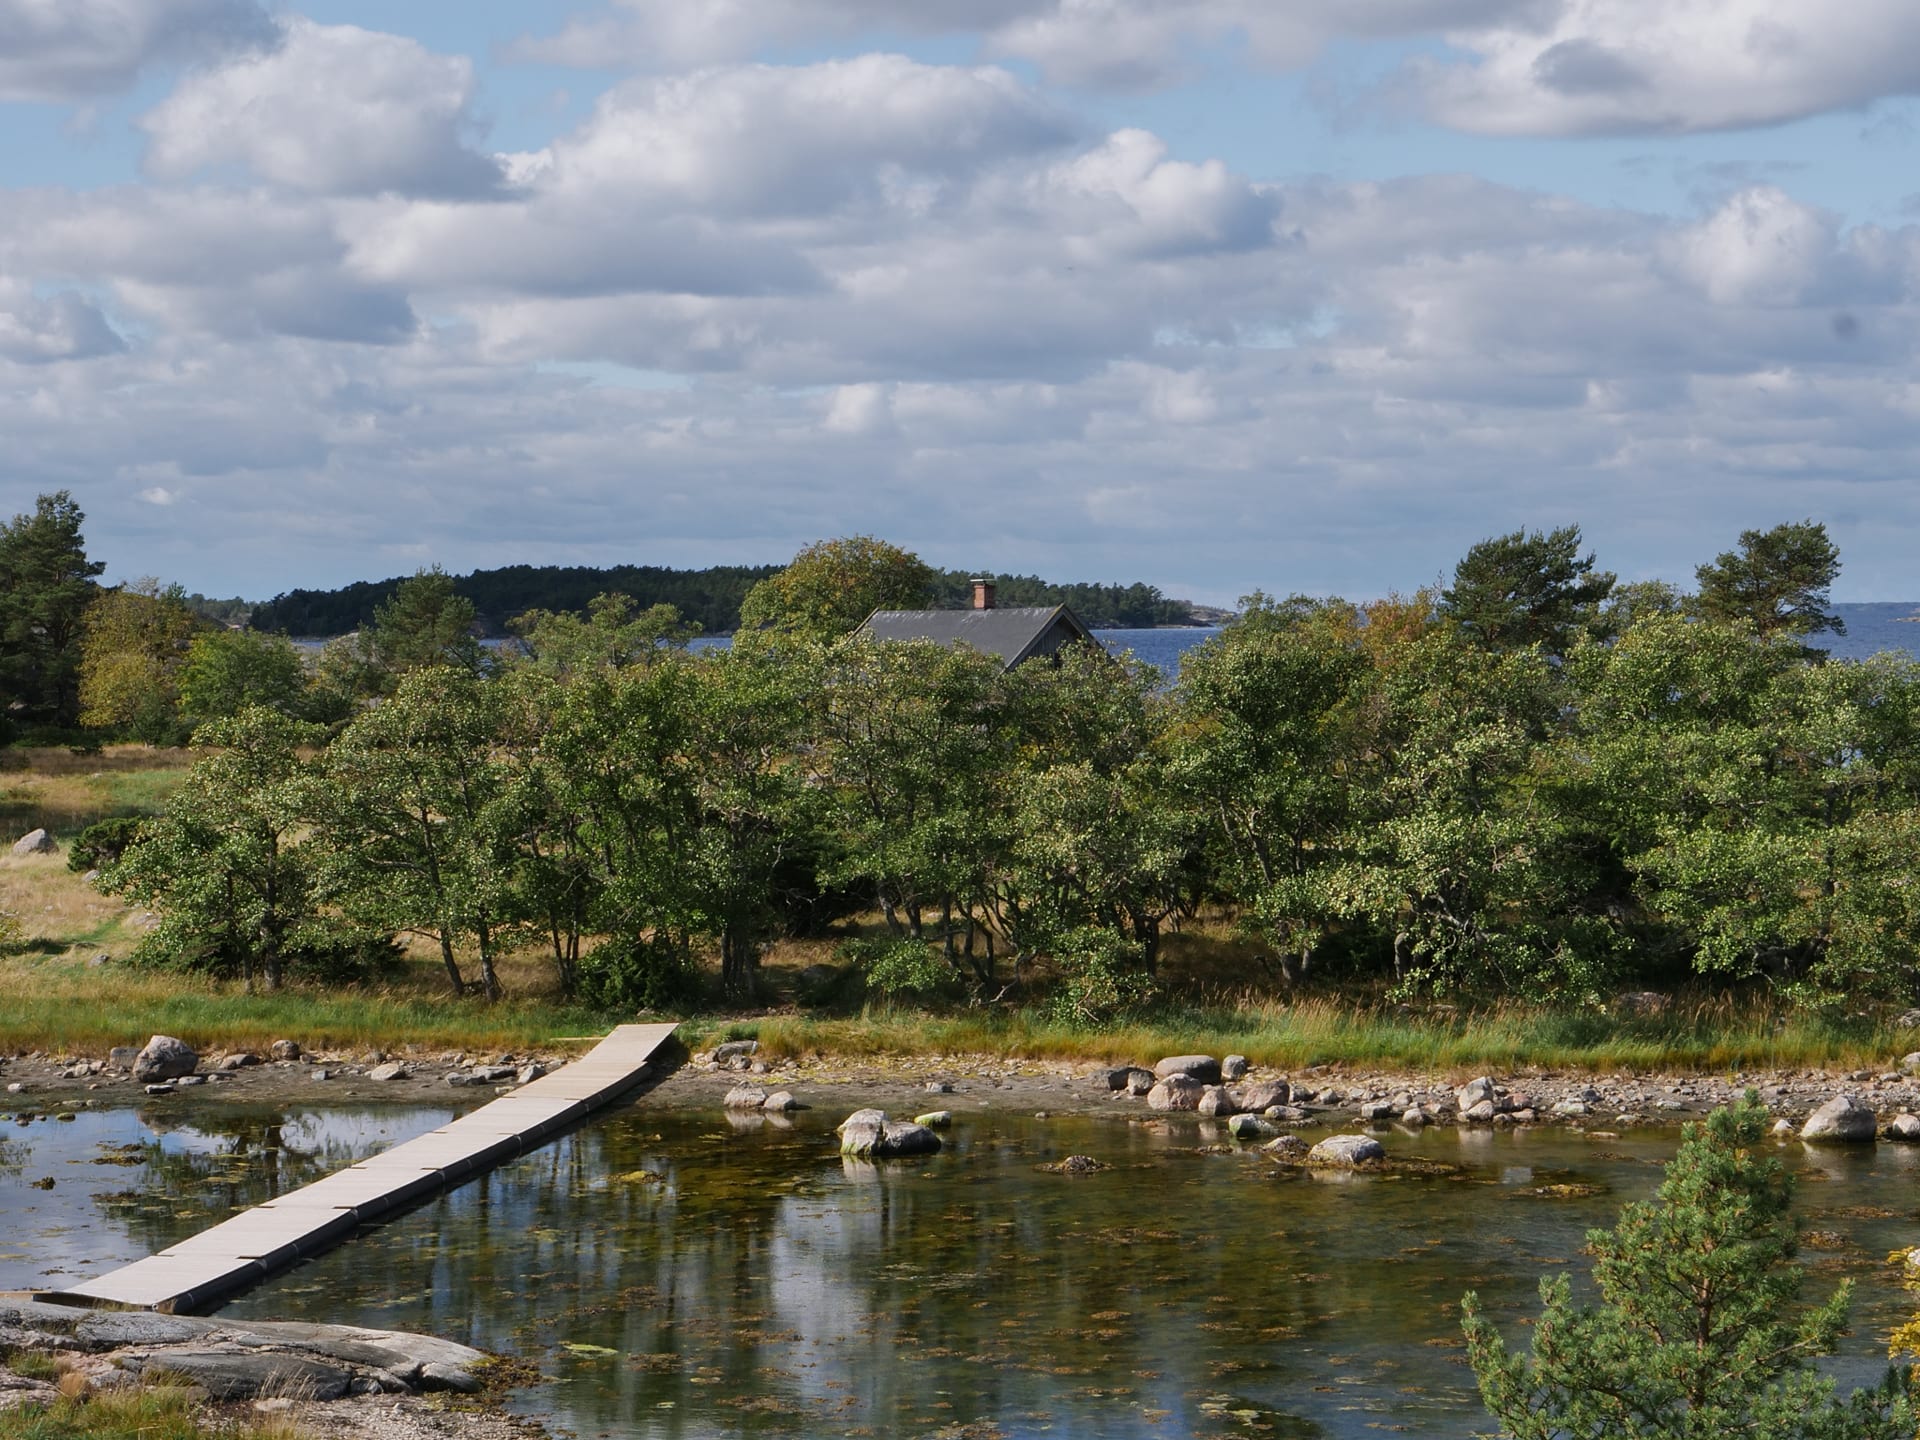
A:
[(164, 1058), (34, 842), (1203, 1068), (1251, 1127), (746, 1097), (1287, 1147), (1473, 1093), (869, 1134), (1842, 1120), (1905, 1127), (1176, 1092), (1343, 1152), (783, 1101), (1216, 1100)]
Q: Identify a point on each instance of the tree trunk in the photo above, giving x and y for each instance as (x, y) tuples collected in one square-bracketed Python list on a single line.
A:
[(453, 966)]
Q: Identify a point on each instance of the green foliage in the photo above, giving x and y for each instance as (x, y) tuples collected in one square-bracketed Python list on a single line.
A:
[(1777, 581), (131, 654), (637, 975), (614, 633), (103, 843), (1524, 589), (225, 671), (1698, 1334), (46, 584), (898, 966), (1100, 977), (832, 585), (426, 624)]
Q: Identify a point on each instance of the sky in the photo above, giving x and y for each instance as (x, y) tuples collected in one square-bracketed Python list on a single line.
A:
[(1216, 294)]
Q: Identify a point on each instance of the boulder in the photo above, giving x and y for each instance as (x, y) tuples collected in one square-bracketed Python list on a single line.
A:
[(1287, 1147), (392, 1070), (1908, 1020), (1251, 1127), (1479, 1114), (1637, 1003), (228, 1376), (34, 842), (1262, 1093), (530, 1072), (869, 1134), (1111, 1078), (1910, 1062), (1291, 1114), (244, 1060), (284, 1050), (121, 1057), (1343, 1152), (1233, 1068), (1203, 1068), (1570, 1108), (782, 1101), (1904, 1127), (735, 1050), (1845, 1119), (159, 1087), (1139, 1081), (1216, 1100), (1414, 1118), (164, 1058), (1474, 1092), (1176, 1092), (935, 1119), (1376, 1111), (746, 1097)]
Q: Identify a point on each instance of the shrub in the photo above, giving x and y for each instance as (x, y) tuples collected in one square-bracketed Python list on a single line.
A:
[(897, 966), (1102, 975), (638, 974), (103, 843)]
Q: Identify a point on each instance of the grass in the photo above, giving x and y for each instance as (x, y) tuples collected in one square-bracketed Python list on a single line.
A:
[(154, 1414), (61, 792)]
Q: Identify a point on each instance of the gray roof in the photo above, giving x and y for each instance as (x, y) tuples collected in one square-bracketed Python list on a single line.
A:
[(1010, 634)]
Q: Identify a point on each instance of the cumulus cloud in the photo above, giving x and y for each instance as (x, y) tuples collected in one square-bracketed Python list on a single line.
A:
[(1671, 66), (35, 328), (1116, 43), (332, 109), (75, 50)]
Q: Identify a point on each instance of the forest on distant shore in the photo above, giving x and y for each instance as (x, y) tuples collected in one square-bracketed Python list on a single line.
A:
[(709, 598)]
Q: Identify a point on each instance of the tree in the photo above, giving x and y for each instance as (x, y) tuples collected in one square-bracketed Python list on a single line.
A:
[(46, 585), (131, 655), (1777, 581), (227, 670), (427, 623), (614, 633), (418, 822), (225, 868), (1524, 589), (1697, 1335), (832, 585)]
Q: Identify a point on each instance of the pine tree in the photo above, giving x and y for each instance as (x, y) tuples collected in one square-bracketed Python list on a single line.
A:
[(1698, 1334), (46, 584)]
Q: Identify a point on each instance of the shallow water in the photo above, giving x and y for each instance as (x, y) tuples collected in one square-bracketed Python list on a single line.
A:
[(677, 1276)]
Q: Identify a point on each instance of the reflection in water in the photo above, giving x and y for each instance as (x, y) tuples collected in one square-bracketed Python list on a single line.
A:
[(678, 1276)]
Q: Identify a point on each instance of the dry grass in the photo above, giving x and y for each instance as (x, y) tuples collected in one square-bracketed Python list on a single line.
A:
[(146, 1414), (62, 792)]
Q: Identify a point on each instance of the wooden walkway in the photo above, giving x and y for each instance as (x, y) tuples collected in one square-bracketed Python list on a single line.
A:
[(257, 1243)]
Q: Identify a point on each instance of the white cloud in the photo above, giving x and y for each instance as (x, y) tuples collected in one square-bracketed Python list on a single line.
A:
[(1672, 66), (332, 110), (35, 328), (72, 50)]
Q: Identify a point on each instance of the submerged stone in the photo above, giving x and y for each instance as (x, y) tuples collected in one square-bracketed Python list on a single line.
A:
[(1845, 1119), (869, 1134)]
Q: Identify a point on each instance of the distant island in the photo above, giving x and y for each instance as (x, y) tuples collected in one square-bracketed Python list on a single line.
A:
[(710, 597)]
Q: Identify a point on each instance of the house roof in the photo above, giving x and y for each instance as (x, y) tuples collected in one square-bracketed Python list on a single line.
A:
[(1010, 634)]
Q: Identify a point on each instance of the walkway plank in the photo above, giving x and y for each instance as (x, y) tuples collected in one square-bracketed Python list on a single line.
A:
[(238, 1253)]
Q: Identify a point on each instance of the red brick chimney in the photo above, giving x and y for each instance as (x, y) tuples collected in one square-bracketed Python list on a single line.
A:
[(982, 593)]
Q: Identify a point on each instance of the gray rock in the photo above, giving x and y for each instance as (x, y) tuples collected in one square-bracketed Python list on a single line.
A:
[(939, 1087), (243, 1060), (1474, 1092), (1290, 1114), (1844, 1119), (1216, 1100), (1908, 1020), (1782, 1128), (1110, 1078), (34, 842), (1479, 1114), (188, 1081), (1262, 1093), (1287, 1147), (746, 1097), (1251, 1127), (1375, 1111), (1904, 1127), (448, 1377), (164, 1058), (163, 1087), (1233, 1068), (734, 1050), (1570, 1107), (228, 1376), (1414, 1118), (1203, 1068), (1176, 1092), (284, 1050), (121, 1057), (1910, 1062), (1343, 1152), (328, 1075), (455, 1078), (782, 1101), (392, 1070), (529, 1073), (1139, 1081), (869, 1134), (1637, 1003)]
